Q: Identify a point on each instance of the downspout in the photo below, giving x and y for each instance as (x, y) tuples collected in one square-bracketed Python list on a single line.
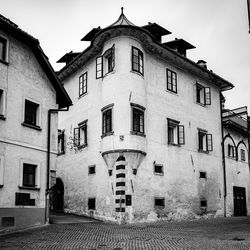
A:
[(47, 190), (223, 160)]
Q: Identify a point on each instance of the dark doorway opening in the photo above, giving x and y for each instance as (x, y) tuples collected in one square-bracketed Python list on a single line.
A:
[(239, 201), (57, 196)]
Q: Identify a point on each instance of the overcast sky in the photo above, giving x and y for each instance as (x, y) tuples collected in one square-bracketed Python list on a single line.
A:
[(217, 28)]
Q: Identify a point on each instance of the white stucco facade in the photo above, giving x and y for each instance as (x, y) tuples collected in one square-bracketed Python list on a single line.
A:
[(180, 187)]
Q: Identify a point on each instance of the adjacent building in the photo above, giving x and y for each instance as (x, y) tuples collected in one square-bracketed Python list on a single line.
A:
[(143, 138), (30, 95)]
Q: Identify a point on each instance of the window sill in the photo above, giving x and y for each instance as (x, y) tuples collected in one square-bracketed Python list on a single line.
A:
[(203, 151), (171, 92), (107, 134), (160, 174), (201, 104), (4, 62), (159, 207), (137, 133), (89, 174), (80, 96), (2, 117), (82, 146), (174, 144), (138, 73), (31, 126), (30, 188), (61, 153)]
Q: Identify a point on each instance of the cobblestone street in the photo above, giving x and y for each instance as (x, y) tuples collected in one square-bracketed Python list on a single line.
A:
[(229, 233)]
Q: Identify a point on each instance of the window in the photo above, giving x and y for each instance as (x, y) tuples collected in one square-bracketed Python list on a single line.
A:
[(205, 141), (137, 60), (107, 127), (80, 134), (1, 170), (171, 81), (203, 203), (31, 113), (176, 135), (29, 175), (83, 84), (105, 63), (158, 169), (159, 203), (91, 204), (231, 151), (203, 95), (242, 155), (3, 49), (61, 145), (2, 104), (137, 119), (92, 169), (203, 175)]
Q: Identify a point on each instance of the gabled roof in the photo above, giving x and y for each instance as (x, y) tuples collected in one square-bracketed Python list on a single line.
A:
[(63, 100)]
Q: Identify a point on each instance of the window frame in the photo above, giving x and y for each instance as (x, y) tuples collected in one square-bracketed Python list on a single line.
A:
[(203, 173), (2, 167), (159, 206), (61, 146), (2, 103), (38, 114), (171, 81), (5, 42), (208, 141), (205, 93), (231, 151), (138, 110), (105, 110), (243, 154), (158, 172), (91, 198), (37, 174), (137, 60), (180, 132), (77, 134), (92, 172), (83, 84)]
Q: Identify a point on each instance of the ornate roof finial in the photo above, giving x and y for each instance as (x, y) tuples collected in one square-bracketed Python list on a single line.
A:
[(122, 10)]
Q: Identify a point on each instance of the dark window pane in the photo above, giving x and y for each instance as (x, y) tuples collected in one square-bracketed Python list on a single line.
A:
[(160, 202), (30, 116), (29, 175), (91, 203), (3, 43)]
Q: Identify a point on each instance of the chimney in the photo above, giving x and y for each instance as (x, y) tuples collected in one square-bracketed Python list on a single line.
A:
[(202, 63)]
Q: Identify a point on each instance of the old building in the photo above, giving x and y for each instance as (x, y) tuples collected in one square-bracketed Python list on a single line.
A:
[(236, 163), (30, 94), (143, 139)]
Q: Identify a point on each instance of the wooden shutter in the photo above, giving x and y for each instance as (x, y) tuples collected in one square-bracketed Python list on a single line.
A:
[(207, 96), (209, 142), (181, 135), (99, 67), (113, 56), (76, 137)]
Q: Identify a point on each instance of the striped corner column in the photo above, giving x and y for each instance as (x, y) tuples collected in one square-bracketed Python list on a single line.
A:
[(120, 186)]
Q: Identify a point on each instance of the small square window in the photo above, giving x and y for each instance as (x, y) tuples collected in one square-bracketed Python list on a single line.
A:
[(91, 203), (80, 134), (3, 49), (31, 113), (203, 175), (158, 169), (83, 84), (159, 203), (92, 169), (171, 81), (29, 175), (203, 203), (137, 60)]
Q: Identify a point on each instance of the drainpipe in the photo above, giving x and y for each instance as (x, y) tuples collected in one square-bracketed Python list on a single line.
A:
[(223, 159), (48, 162)]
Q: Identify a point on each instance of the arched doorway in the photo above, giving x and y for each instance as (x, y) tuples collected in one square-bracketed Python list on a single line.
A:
[(57, 196)]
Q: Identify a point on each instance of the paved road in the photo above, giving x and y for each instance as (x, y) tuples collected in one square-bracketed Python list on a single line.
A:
[(224, 233)]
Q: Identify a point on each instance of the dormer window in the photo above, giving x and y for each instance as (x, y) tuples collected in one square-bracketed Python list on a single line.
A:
[(105, 63), (137, 60)]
